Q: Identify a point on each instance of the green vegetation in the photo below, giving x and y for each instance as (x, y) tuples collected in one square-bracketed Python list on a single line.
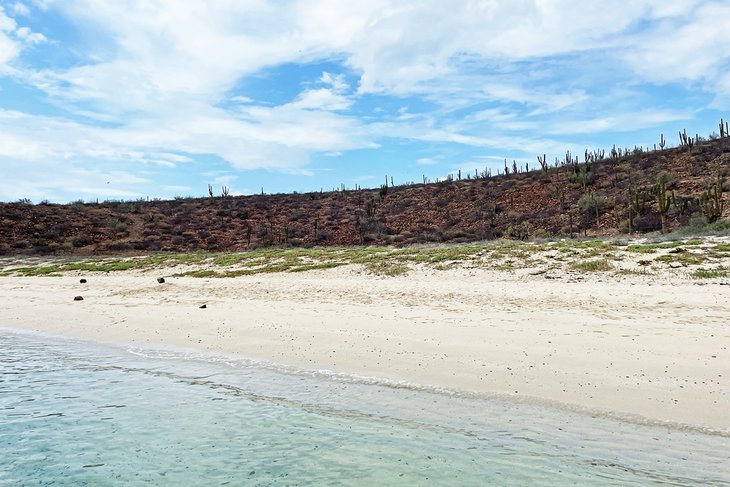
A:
[(654, 247), (585, 256), (684, 258), (602, 265), (710, 273)]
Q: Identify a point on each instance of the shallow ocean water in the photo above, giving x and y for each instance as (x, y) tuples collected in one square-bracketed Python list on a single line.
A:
[(80, 413)]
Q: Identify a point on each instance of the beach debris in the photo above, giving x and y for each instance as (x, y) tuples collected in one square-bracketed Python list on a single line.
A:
[(204, 306), (82, 281), (161, 280), (78, 298)]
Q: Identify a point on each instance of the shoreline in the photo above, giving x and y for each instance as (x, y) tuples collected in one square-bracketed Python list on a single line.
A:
[(632, 346), (194, 354)]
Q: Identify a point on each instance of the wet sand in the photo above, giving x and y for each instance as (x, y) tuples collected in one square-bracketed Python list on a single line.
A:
[(628, 346)]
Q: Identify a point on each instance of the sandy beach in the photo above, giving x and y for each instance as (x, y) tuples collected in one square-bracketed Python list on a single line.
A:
[(630, 346)]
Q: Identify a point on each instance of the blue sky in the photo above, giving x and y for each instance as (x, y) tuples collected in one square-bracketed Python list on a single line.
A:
[(159, 98)]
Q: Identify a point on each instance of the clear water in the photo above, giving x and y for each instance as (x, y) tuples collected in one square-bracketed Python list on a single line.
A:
[(76, 413)]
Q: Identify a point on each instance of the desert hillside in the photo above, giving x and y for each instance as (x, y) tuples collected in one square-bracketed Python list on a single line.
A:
[(595, 193)]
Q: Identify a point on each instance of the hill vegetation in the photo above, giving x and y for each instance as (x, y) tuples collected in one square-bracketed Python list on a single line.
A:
[(603, 193)]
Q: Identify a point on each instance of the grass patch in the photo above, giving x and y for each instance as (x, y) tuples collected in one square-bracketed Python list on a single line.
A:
[(201, 273), (591, 244), (683, 258), (36, 271), (709, 273), (632, 272), (654, 247), (313, 267), (586, 256), (388, 269), (602, 265)]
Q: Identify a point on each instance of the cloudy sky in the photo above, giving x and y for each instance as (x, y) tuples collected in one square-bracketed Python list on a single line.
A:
[(128, 99)]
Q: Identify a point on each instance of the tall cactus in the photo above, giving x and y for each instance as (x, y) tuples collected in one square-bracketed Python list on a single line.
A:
[(663, 199), (636, 205), (711, 201)]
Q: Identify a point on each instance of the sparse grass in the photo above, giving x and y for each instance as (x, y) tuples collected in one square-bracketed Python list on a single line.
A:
[(602, 265), (36, 271), (710, 273), (389, 269), (654, 247), (313, 267), (591, 244), (200, 273), (584, 256), (684, 258), (632, 272)]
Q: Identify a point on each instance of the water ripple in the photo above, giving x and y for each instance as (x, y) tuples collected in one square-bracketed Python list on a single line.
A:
[(75, 413)]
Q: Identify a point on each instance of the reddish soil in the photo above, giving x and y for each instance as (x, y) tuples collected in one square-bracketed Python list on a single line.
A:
[(523, 205)]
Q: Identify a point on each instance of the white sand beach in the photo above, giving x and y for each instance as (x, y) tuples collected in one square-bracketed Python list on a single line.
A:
[(636, 346)]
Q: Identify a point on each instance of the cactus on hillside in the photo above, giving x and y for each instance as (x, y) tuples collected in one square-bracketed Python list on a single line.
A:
[(663, 199), (635, 205), (712, 203)]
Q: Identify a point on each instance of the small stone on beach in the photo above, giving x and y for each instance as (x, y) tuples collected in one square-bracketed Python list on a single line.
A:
[(78, 298), (161, 280), (204, 306), (82, 281)]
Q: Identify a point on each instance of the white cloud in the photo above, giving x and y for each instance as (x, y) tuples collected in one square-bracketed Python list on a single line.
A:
[(694, 47), (9, 48), (241, 99), (225, 180), (624, 122), (20, 9), (321, 99), (29, 36), (174, 157), (336, 81), (179, 189), (7, 24), (13, 39), (159, 72), (426, 161)]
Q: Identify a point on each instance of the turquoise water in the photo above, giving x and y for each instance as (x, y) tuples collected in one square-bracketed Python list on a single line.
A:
[(77, 413)]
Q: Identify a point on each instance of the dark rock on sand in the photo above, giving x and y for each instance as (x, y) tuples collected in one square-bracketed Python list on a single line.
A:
[(82, 281), (161, 280), (78, 298), (204, 306)]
